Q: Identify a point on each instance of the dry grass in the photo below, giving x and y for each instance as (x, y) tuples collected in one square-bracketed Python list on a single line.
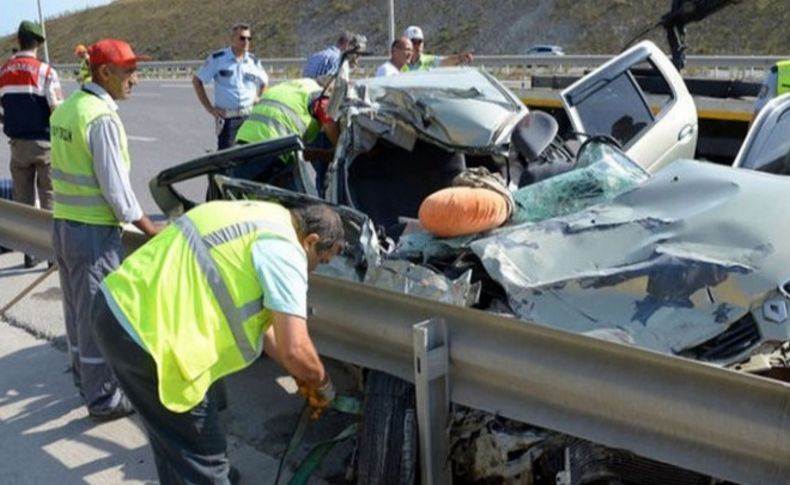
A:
[(190, 29)]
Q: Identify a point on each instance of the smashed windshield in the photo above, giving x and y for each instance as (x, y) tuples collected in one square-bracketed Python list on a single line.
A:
[(448, 83), (602, 173), (455, 107)]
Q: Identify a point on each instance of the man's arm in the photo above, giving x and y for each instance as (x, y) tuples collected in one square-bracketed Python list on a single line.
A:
[(53, 89), (200, 91), (456, 59), (327, 123), (289, 344), (149, 227), (113, 178), (264, 83)]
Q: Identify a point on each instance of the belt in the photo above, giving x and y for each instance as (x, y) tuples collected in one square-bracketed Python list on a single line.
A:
[(236, 113)]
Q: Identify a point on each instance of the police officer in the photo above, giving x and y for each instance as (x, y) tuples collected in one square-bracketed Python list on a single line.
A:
[(777, 82), (93, 196), (239, 81), (202, 300)]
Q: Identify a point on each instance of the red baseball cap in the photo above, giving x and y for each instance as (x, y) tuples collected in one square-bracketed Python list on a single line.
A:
[(113, 51)]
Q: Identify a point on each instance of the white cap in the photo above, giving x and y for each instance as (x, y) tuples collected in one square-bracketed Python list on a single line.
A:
[(413, 32)]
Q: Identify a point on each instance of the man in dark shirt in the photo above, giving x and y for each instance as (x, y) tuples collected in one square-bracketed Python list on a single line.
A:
[(29, 92)]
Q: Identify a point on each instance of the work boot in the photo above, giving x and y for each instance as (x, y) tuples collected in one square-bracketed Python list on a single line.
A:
[(30, 261), (123, 409)]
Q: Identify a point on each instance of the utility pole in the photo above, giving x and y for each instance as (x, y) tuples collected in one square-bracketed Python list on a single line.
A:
[(392, 21), (43, 31)]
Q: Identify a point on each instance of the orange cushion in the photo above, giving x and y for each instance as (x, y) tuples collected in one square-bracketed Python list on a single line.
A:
[(458, 211)]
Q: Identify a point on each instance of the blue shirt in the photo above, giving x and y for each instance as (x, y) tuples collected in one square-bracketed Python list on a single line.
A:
[(236, 82), (282, 272), (322, 62)]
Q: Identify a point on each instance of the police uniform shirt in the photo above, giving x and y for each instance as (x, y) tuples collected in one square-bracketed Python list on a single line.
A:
[(236, 83)]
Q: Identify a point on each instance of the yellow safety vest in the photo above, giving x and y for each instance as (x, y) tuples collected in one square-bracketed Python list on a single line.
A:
[(282, 111), (782, 77), (78, 196), (193, 297), (426, 62)]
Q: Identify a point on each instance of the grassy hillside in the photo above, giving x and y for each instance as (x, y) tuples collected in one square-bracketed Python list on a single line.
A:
[(190, 29)]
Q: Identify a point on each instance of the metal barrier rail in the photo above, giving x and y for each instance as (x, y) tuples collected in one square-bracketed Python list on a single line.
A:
[(720, 422), (293, 65)]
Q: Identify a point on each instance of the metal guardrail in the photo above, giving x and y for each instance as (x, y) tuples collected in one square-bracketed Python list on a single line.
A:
[(292, 66), (715, 421)]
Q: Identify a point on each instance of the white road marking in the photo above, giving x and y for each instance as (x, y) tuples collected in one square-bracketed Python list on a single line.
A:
[(184, 85), (141, 138), (146, 95)]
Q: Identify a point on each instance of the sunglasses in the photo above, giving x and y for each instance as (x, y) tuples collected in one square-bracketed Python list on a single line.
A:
[(245, 38)]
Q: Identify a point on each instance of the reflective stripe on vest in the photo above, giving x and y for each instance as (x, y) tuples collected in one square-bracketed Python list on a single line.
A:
[(79, 200), (287, 111), (236, 316), (83, 180), (275, 124), (782, 77), (282, 111)]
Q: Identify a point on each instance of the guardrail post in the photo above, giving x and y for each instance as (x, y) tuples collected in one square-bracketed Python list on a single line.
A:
[(431, 382)]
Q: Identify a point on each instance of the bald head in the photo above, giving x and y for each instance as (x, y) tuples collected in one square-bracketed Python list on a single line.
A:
[(400, 52)]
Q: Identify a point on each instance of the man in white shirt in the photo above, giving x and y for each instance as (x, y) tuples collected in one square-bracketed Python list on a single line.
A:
[(400, 54)]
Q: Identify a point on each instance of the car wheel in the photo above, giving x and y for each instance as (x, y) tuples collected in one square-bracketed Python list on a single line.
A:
[(388, 438)]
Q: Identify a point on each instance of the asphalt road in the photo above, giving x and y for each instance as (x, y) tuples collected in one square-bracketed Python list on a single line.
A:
[(165, 125)]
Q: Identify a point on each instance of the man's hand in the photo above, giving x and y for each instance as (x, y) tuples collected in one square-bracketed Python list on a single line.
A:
[(149, 227), (318, 398), (217, 113)]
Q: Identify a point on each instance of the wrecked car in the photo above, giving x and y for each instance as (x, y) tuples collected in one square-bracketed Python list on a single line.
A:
[(610, 236)]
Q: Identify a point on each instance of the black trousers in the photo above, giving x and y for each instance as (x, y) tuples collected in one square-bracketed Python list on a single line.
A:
[(227, 136), (190, 447)]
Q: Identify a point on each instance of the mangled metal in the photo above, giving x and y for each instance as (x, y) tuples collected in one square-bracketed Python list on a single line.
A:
[(671, 263), (457, 107)]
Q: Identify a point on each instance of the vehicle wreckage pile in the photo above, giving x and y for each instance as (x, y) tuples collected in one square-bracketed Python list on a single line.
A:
[(613, 231)]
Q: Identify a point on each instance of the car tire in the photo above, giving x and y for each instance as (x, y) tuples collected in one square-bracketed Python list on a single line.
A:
[(388, 445)]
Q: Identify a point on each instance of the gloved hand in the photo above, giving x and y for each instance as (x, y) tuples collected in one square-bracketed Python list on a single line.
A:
[(318, 398)]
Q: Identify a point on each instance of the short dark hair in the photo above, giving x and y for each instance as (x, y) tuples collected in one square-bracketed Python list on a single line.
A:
[(319, 219), (345, 38), (239, 26), (28, 41)]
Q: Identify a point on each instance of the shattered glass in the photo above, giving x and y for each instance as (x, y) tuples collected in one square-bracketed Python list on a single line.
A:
[(602, 174)]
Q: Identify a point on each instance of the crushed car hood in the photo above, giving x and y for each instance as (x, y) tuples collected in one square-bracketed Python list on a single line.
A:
[(455, 107), (665, 266)]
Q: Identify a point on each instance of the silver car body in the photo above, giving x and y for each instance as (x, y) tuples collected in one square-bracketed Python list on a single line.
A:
[(767, 145)]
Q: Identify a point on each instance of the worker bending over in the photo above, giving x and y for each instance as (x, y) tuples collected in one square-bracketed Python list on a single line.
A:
[(297, 107), (200, 301)]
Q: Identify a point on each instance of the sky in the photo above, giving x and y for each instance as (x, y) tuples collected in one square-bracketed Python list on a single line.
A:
[(14, 11)]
